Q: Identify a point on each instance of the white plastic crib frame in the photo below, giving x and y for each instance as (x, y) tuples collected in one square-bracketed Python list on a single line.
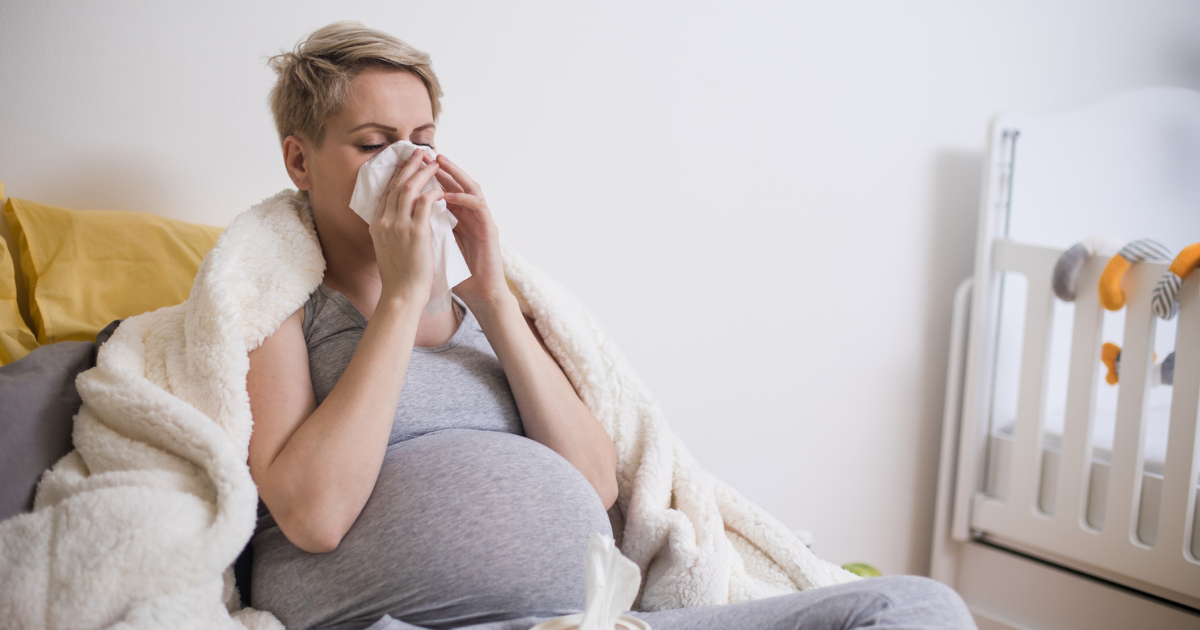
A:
[(1015, 565), (974, 527)]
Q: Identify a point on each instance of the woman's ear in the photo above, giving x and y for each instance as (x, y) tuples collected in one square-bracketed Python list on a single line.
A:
[(295, 159)]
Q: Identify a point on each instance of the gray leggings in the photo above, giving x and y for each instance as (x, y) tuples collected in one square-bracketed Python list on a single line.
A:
[(892, 603)]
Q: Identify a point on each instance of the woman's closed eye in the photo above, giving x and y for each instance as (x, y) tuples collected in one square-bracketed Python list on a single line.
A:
[(371, 148)]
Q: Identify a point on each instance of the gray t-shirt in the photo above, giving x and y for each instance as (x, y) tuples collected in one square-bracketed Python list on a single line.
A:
[(469, 520)]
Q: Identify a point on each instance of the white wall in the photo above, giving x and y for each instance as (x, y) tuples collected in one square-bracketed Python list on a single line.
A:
[(769, 205)]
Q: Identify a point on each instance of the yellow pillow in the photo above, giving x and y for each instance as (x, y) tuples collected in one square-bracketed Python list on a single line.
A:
[(84, 269), (16, 340)]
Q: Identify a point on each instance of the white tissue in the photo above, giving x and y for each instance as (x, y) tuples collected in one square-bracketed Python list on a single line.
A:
[(449, 266), (612, 582)]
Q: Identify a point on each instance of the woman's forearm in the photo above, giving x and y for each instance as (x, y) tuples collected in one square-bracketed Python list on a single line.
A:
[(551, 411), (325, 473)]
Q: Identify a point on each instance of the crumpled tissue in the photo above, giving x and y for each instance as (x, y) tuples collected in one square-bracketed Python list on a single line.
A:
[(449, 266), (612, 582)]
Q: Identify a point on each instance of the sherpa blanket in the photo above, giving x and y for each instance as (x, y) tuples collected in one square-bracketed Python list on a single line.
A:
[(138, 527)]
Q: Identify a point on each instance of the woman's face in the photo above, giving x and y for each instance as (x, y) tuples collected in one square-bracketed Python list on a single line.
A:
[(383, 106)]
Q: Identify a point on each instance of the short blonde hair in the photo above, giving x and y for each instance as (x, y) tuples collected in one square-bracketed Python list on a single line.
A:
[(314, 79)]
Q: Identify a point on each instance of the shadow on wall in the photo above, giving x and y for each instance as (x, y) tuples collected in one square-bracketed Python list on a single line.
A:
[(94, 181), (1187, 62), (957, 182)]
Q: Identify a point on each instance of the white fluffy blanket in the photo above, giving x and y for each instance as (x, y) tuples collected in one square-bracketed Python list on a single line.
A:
[(138, 527)]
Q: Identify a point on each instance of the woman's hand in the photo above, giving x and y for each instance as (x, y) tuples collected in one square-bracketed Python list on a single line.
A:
[(477, 237), (401, 232)]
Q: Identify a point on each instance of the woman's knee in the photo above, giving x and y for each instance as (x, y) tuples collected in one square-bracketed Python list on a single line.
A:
[(915, 587), (920, 598)]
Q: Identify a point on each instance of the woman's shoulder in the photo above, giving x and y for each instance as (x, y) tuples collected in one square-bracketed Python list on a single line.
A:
[(327, 313), (293, 330), (289, 333)]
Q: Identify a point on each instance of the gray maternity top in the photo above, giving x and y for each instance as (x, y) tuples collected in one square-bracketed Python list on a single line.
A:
[(469, 520)]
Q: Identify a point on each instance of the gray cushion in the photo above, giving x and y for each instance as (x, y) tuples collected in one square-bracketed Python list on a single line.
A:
[(37, 404)]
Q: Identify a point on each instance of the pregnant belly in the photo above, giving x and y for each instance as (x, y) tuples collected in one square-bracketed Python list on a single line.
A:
[(462, 527)]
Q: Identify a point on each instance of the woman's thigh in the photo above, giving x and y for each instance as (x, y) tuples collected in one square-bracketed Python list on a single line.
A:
[(893, 603)]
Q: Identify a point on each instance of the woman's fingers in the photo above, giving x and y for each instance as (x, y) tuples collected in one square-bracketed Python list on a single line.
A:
[(411, 189), (404, 172), (448, 182), (424, 207), (417, 183), (472, 213), (473, 202), (464, 180)]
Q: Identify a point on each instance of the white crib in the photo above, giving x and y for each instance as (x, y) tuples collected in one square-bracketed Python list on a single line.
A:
[(1038, 528)]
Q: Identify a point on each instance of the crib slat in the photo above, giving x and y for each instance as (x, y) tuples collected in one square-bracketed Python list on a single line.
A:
[(1075, 464), (1037, 266), (1175, 522), (1125, 477)]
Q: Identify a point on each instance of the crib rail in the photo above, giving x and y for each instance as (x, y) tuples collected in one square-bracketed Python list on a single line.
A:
[(1168, 567)]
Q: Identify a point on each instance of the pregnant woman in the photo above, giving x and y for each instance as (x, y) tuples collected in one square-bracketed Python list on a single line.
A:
[(438, 470)]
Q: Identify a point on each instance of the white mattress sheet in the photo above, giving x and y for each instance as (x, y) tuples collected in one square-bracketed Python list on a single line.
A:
[(1154, 451)]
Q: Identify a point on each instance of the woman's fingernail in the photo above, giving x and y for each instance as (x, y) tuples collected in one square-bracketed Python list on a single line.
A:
[(449, 196)]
